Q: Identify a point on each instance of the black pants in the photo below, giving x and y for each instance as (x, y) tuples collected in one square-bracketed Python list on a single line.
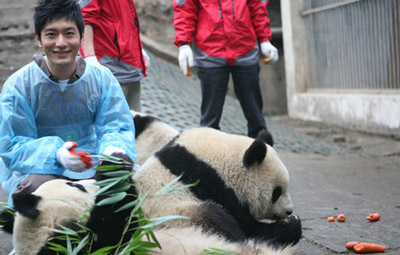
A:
[(214, 85)]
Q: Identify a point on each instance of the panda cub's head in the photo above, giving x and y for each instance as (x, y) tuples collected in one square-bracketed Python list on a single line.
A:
[(251, 168), (151, 135), (56, 202)]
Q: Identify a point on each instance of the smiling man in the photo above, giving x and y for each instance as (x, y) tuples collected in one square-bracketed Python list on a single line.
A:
[(58, 103)]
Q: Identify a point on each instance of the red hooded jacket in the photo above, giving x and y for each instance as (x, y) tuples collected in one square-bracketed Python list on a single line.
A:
[(222, 32), (116, 37)]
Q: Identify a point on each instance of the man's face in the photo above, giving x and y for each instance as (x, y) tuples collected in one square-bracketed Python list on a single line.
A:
[(60, 41)]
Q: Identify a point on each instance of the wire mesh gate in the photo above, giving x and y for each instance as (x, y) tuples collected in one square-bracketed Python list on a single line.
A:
[(353, 44)]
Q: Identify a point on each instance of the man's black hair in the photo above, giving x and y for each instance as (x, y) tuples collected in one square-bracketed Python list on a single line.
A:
[(49, 10)]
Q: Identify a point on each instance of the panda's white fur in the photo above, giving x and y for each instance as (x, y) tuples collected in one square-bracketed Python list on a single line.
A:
[(59, 203), (151, 135), (225, 154), (193, 241)]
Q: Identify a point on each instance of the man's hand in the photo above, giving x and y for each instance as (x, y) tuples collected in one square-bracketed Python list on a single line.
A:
[(146, 59), (92, 60), (270, 52), (109, 150), (185, 59), (74, 161)]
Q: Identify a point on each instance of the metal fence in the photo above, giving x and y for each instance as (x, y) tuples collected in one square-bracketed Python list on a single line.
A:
[(353, 44)]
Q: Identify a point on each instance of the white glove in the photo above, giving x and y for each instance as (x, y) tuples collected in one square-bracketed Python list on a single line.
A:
[(146, 59), (111, 149), (74, 161), (185, 59), (92, 60), (270, 52)]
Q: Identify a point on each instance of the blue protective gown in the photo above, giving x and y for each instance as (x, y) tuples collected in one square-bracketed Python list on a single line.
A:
[(37, 115)]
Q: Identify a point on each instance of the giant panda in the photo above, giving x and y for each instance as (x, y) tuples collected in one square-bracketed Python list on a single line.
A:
[(63, 202), (238, 179), (151, 134)]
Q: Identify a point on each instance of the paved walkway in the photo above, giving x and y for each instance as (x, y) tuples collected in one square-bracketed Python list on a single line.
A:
[(174, 98)]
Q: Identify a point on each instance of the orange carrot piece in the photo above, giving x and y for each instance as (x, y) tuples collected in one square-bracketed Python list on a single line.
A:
[(188, 73), (350, 245), (369, 247), (266, 61), (341, 217), (331, 219), (373, 217)]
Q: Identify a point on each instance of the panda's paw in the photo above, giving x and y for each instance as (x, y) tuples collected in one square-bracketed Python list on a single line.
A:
[(287, 231), (7, 220), (119, 158)]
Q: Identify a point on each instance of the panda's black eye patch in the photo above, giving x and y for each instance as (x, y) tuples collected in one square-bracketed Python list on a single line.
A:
[(77, 185), (276, 194)]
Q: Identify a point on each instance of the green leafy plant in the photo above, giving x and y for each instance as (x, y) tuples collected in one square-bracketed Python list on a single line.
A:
[(143, 241), (215, 251)]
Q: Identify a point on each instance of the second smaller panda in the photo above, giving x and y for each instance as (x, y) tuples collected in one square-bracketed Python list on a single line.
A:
[(151, 134)]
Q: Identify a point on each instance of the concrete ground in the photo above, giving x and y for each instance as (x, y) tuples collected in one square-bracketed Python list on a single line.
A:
[(332, 170)]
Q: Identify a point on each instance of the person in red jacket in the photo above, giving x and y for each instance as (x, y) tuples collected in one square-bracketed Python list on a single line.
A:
[(225, 37), (112, 37)]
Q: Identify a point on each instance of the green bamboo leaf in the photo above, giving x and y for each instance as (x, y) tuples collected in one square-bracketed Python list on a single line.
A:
[(161, 220), (214, 251), (119, 187), (109, 167), (153, 237), (117, 173), (57, 247), (65, 230), (105, 188), (109, 157), (126, 206), (108, 181), (69, 245), (113, 199), (81, 245), (103, 251), (166, 187)]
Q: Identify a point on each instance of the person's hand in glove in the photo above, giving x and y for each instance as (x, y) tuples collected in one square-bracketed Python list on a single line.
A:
[(92, 60), (146, 59), (109, 150), (118, 153), (185, 59), (270, 52), (72, 160)]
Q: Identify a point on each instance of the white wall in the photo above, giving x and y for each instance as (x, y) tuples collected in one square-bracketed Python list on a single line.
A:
[(376, 111)]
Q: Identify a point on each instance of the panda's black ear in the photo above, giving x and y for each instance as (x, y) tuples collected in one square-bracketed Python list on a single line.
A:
[(266, 137), (255, 153), (142, 123), (26, 204)]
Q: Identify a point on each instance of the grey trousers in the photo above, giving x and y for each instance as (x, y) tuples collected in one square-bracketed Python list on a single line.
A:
[(132, 94)]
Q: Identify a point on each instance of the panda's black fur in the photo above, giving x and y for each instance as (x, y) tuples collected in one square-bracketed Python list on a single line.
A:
[(148, 137), (109, 225)]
